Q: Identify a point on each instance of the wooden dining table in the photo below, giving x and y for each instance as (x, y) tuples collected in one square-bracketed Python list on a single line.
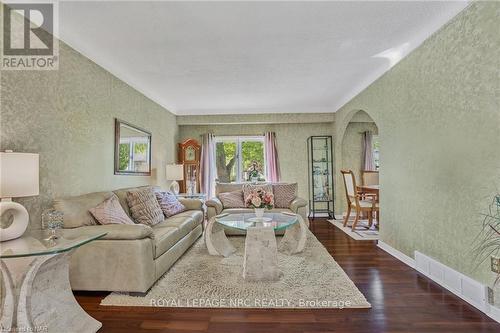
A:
[(369, 189)]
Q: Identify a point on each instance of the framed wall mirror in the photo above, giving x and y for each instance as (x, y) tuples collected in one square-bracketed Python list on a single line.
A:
[(132, 150)]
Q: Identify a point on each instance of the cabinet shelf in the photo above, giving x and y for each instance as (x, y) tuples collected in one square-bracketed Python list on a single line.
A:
[(321, 185)]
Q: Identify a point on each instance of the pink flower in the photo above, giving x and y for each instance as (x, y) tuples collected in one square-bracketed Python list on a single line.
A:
[(256, 202)]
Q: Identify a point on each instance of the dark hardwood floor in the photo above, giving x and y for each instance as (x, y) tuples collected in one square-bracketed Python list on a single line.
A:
[(402, 301)]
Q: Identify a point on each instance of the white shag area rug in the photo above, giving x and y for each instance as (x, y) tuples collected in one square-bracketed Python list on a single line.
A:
[(311, 279)]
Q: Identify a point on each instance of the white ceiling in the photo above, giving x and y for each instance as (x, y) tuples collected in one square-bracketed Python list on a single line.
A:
[(250, 57)]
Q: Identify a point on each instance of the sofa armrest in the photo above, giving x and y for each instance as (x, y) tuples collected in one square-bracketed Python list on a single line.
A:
[(215, 203), (192, 204), (114, 231), (297, 203)]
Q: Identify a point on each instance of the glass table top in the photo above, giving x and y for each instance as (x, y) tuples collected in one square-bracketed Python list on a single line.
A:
[(37, 242), (243, 221)]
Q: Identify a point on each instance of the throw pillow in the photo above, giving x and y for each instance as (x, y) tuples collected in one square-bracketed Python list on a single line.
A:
[(232, 199), (247, 188), (144, 207), (169, 203), (110, 212), (284, 194)]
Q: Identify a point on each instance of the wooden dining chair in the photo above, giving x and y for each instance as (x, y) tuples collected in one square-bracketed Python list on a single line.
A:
[(356, 201), (369, 177)]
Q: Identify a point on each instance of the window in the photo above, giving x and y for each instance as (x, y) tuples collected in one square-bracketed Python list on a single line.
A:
[(376, 151), (134, 154), (239, 159)]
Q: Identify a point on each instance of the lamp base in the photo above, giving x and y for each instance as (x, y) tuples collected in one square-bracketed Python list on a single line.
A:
[(174, 187), (20, 223)]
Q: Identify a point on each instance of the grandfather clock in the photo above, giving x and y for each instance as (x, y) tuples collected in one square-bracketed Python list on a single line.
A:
[(189, 156)]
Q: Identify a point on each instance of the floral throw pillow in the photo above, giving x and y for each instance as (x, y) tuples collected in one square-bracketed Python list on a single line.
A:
[(169, 203), (110, 212)]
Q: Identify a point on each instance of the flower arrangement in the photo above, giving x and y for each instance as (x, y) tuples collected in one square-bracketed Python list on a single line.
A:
[(259, 198)]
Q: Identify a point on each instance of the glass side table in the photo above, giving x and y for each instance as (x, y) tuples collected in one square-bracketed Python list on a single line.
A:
[(35, 275)]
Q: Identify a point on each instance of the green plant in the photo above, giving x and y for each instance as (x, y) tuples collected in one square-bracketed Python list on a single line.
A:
[(487, 243)]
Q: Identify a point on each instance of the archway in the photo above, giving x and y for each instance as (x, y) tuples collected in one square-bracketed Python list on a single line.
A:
[(350, 148)]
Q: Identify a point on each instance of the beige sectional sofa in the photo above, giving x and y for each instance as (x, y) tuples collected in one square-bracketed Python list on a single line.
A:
[(215, 206), (130, 258)]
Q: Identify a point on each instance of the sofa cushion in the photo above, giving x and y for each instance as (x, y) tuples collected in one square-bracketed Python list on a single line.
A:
[(195, 214), (248, 188), (232, 199), (110, 212), (165, 237), (169, 203), (284, 194), (144, 207), (173, 229), (113, 231), (76, 209)]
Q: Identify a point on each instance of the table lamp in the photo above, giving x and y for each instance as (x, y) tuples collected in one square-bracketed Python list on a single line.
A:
[(175, 172), (18, 178)]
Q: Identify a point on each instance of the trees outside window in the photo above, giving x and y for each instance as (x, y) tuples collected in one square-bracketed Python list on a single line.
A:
[(240, 159)]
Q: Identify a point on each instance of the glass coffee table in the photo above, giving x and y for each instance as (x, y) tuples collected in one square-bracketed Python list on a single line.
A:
[(35, 277), (261, 250)]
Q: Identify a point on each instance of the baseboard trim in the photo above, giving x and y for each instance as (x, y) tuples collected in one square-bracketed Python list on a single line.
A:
[(396, 254), (455, 282)]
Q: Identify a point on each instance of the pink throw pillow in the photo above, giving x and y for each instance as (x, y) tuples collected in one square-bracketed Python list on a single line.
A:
[(110, 212)]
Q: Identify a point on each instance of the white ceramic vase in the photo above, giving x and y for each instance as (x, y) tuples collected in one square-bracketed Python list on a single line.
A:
[(259, 213)]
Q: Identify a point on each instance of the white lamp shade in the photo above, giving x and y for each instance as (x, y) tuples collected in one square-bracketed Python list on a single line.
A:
[(18, 175), (175, 172)]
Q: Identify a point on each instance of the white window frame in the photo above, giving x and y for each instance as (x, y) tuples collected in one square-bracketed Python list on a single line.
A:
[(376, 138), (238, 140)]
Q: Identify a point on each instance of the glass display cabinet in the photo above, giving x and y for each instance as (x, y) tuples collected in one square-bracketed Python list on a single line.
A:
[(320, 161)]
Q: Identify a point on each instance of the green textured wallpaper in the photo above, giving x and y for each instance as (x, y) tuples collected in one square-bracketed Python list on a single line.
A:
[(438, 115), (67, 116)]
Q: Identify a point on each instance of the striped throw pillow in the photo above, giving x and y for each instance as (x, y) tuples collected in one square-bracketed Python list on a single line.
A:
[(144, 207), (284, 194), (232, 199)]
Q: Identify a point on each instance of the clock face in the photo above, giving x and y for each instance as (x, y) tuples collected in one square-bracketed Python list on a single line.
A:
[(190, 154)]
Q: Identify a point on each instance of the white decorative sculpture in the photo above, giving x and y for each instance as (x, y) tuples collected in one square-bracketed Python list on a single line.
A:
[(18, 178)]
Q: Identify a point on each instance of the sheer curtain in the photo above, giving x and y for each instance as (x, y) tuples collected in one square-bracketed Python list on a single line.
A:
[(272, 161), (368, 160), (207, 167)]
